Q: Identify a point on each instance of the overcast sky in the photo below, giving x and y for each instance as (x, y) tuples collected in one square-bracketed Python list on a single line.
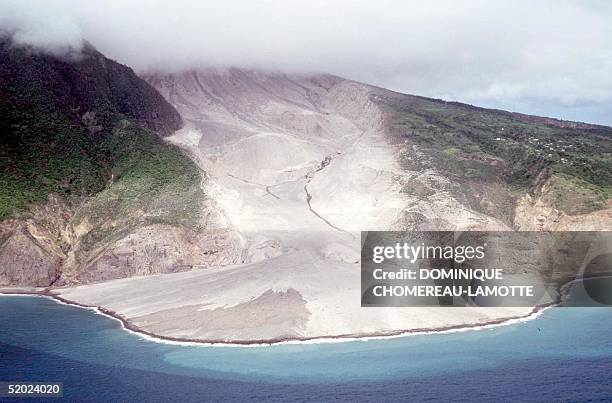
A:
[(549, 58)]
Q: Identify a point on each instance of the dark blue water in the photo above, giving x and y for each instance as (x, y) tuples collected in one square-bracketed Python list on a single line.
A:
[(564, 355)]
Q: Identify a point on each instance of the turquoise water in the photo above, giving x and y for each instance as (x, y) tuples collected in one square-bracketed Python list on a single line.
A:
[(565, 354)]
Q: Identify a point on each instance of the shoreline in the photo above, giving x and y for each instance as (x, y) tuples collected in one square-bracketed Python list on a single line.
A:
[(535, 312)]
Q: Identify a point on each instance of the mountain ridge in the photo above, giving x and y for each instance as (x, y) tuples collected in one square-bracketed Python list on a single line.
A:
[(257, 201), (84, 168), (483, 177)]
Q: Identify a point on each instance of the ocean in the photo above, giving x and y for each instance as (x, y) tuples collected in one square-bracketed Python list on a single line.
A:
[(565, 354)]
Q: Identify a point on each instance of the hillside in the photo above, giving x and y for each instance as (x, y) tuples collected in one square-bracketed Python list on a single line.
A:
[(293, 167), (497, 159), (57, 119), (297, 165), (83, 168)]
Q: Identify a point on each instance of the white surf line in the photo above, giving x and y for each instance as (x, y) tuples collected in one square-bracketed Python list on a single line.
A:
[(537, 312)]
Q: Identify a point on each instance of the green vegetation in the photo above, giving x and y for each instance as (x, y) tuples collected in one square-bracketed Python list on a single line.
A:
[(478, 146), (56, 121), (74, 164), (151, 182), (43, 153), (88, 130), (573, 195)]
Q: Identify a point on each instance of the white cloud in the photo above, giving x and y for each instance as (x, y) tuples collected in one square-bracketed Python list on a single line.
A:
[(39, 24), (556, 54)]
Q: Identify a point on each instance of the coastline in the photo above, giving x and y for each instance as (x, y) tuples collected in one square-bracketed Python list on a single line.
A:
[(130, 328)]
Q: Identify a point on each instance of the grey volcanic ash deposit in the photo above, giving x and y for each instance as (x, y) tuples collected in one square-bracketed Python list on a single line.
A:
[(296, 167)]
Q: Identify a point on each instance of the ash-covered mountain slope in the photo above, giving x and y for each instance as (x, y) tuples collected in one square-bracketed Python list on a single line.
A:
[(298, 165), (293, 167), (88, 190), (272, 127)]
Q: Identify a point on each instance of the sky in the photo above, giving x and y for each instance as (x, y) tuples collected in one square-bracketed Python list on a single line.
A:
[(545, 57)]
